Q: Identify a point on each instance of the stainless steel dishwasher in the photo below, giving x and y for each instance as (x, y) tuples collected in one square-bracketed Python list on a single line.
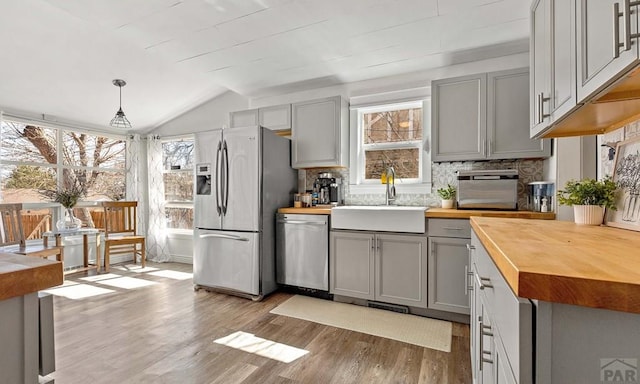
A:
[(302, 251)]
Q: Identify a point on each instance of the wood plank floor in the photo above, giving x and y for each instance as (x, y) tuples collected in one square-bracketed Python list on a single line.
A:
[(164, 333)]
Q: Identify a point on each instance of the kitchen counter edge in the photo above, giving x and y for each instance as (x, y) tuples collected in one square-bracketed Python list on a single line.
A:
[(21, 275), (563, 262), (442, 213)]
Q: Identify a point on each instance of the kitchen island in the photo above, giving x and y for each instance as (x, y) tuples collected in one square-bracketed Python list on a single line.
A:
[(21, 277), (554, 302)]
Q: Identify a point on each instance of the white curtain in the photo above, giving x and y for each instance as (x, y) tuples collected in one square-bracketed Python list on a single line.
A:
[(156, 234)]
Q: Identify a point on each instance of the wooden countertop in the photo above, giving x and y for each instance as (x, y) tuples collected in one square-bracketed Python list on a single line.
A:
[(467, 213), (20, 275), (441, 213), (559, 261)]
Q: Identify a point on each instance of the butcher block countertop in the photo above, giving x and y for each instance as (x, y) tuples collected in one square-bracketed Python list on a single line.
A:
[(467, 213), (441, 213), (562, 262), (21, 275)]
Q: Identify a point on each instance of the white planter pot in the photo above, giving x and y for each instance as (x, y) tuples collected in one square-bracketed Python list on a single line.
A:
[(588, 214), (448, 204)]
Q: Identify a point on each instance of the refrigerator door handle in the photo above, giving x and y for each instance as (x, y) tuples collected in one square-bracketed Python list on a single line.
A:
[(223, 236), (217, 179), (226, 176)]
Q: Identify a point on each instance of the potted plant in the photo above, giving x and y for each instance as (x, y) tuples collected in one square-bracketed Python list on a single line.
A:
[(589, 198), (447, 194), (68, 198)]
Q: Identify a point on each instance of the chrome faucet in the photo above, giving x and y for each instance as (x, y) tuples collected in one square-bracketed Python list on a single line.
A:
[(390, 195)]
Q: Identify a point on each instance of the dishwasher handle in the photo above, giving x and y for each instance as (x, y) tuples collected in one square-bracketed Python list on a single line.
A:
[(302, 222)]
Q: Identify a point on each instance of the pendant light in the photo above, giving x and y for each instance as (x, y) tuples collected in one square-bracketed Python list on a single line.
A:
[(120, 120)]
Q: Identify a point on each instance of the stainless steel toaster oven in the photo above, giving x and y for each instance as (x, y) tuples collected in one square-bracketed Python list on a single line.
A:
[(488, 189)]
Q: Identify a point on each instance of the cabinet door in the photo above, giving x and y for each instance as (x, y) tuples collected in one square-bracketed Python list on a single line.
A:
[(563, 54), (401, 270), (599, 60), (458, 125), (276, 118), (508, 117), (247, 118), (315, 133), (448, 267), (351, 260), (540, 64)]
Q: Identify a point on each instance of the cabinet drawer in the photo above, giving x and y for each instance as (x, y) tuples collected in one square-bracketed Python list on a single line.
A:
[(512, 316), (449, 228)]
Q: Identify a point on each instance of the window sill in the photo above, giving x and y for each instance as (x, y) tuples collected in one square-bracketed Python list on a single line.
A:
[(365, 189)]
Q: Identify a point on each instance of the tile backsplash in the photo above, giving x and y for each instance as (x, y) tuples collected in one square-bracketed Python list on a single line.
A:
[(441, 174)]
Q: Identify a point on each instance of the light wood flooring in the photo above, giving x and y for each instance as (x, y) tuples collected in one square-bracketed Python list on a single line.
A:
[(164, 334)]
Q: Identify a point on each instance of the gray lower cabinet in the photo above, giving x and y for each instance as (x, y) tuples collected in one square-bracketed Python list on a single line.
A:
[(449, 264), (502, 336), (448, 274), (352, 264), (390, 268)]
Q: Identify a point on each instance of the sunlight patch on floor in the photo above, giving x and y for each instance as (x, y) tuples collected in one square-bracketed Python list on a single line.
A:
[(261, 347), (135, 268), (176, 275), (126, 282), (78, 291), (100, 277)]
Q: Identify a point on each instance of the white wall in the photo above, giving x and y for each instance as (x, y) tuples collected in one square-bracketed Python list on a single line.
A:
[(210, 115), (575, 159)]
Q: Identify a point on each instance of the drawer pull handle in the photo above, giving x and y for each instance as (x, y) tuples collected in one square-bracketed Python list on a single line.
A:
[(483, 282), (452, 228), (470, 247), (468, 285)]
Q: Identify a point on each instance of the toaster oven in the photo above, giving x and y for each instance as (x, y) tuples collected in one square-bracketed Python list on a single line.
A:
[(488, 189)]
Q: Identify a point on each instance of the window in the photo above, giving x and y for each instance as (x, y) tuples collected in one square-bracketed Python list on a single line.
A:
[(36, 158), (389, 135), (177, 160)]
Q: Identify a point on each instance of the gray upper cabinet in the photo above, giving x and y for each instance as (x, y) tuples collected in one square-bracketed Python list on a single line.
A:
[(484, 116), (508, 135), (598, 30), (276, 118), (246, 118), (458, 128), (553, 62), (320, 133)]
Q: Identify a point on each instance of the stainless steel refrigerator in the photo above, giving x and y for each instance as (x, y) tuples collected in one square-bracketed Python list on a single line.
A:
[(243, 175)]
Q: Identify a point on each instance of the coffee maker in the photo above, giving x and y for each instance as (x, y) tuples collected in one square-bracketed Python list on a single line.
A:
[(540, 195), (330, 190)]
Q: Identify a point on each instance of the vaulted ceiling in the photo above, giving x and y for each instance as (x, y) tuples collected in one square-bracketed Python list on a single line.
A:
[(60, 56)]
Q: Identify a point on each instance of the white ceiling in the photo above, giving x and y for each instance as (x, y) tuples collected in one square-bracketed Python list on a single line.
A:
[(59, 56)]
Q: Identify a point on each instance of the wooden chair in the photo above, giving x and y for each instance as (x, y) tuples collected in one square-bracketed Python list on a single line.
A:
[(120, 231), (12, 234)]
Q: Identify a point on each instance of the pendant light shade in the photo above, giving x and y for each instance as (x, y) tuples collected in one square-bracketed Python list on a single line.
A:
[(120, 120)]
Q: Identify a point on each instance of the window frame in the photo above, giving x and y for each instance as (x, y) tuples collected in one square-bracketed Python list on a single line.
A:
[(59, 166), (357, 183), (179, 203)]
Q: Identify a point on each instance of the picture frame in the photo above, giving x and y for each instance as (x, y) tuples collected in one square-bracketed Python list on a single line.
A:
[(626, 175)]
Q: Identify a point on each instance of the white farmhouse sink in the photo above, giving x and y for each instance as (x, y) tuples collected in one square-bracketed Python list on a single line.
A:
[(388, 218)]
